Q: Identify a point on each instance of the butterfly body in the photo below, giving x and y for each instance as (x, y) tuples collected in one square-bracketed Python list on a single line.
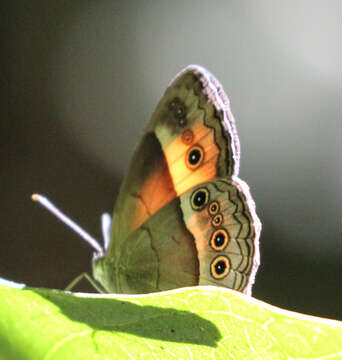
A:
[(182, 216)]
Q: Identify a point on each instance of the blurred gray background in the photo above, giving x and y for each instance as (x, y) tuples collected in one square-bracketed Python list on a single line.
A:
[(80, 79)]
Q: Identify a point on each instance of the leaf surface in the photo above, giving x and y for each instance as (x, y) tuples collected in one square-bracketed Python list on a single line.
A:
[(189, 323)]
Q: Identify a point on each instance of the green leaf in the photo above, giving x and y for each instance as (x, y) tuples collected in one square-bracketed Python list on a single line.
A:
[(189, 323)]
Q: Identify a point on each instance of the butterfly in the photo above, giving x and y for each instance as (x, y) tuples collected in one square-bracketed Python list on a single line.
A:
[(182, 216)]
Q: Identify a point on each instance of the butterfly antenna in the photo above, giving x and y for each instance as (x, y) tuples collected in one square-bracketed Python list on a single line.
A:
[(61, 216), (106, 222)]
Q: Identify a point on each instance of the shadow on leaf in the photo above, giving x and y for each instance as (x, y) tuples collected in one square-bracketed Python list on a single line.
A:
[(123, 316)]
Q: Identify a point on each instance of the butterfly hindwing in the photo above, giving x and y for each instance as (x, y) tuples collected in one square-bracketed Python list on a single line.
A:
[(221, 216), (158, 255), (178, 246)]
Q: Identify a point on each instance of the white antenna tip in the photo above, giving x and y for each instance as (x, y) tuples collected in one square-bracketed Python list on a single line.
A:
[(35, 197)]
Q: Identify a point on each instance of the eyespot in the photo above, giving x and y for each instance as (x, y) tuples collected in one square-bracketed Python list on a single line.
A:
[(194, 157), (219, 240), (187, 137), (182, 122), (219, 267), (172, 104), (199, 198), (217, 220), (179, 111), (214, 208)]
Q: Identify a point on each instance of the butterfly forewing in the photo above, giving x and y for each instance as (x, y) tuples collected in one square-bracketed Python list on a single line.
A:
[(185, 143)]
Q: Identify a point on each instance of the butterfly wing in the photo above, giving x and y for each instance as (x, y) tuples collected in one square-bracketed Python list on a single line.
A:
[(191, 138), (221, 217), (159, 242), (209, 236), (158, 255)]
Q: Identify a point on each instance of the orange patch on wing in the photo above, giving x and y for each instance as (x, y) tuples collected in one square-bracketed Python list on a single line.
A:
[(173, 177), (184, 178), (156, 192)]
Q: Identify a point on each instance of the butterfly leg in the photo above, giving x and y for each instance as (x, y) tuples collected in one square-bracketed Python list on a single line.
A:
[(96, 285)]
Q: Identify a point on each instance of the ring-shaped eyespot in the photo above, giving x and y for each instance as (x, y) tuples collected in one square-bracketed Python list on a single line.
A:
[(179, 111), (182, 122), (217, 220), (187, 137), (219, 267), (213, 208), (173, 104), (199, 199), (219, 240), (194, 157)]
